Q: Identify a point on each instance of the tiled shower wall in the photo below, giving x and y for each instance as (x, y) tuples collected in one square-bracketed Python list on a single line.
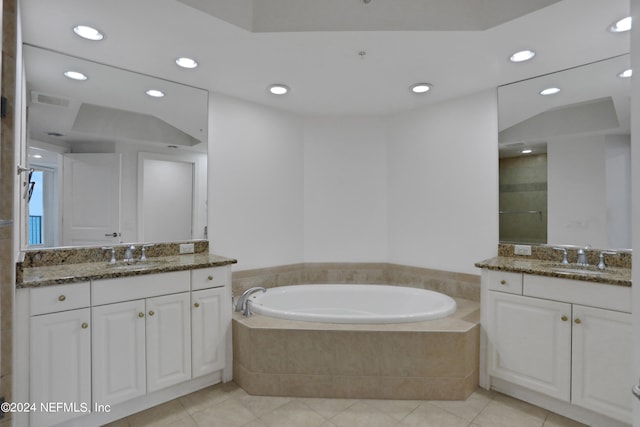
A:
[(458, 285), (7, 177)]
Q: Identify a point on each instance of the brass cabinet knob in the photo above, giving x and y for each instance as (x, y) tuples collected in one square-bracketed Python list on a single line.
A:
[(141, 314), (85, 325), (578, 321), (564, 318), (62, 298), (196, 305), (210, 278), (151, 313), (503, 282)]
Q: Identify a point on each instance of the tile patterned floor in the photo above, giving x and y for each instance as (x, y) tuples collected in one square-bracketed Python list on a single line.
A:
[(227, 405)]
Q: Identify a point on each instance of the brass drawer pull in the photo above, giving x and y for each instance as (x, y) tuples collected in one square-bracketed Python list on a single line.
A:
[(503, 282), (210, 278), (141, 314), (196, 305), (151, 313), (85, 325), (564, 318), (578, 321), (62, 298)]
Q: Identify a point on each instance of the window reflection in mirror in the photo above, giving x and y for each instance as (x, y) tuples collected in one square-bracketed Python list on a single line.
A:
[(565, 173)]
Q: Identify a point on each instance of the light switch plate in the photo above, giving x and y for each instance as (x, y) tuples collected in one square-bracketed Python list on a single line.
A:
[(522, 249), (186, 248)]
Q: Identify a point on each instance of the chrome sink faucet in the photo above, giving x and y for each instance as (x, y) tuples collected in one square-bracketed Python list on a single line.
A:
[(128, 254), (243, 302), (564, 254), (582, 256)]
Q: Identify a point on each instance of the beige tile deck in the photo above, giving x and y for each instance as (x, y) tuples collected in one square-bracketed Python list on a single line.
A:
[(227, 405)]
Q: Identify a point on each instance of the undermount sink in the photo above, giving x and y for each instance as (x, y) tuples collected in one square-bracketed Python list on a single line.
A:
[(590, 270), (135, 265)]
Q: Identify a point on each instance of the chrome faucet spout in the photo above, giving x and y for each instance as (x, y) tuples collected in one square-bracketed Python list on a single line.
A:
[(243, 302), (128, 253), (582, 256)]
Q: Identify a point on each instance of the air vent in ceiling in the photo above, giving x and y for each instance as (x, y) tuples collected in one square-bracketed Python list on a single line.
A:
[(51, 100)]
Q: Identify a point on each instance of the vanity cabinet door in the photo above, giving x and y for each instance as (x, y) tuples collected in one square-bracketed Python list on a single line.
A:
[(602, 361), (168, 340), (530, 343), (60, 364), (209, 330), (118, 352)]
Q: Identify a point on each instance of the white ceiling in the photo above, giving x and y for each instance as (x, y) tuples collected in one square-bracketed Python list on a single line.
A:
[(324, 69)]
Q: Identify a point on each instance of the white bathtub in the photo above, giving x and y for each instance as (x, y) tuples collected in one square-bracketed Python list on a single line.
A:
[(352, 303)]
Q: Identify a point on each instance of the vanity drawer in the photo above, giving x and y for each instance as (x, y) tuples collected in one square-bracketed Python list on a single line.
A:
[(600, 295), (213, 277), (108, 291), (504, 281), (50, 299)]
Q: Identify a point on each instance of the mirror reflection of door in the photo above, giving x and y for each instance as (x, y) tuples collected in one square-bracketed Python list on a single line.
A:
[(91, 199), (165, 200)]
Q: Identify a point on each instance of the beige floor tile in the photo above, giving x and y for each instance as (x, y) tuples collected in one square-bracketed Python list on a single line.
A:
[(229, 412), (504, 411), (363, 415), (466, 409), (255, 423), (161, 415), (124, 422), (205, 398), (293, 414), (262, 405), (555, 420), (328, 408), (397, 409), (328, 424), (431, 415)]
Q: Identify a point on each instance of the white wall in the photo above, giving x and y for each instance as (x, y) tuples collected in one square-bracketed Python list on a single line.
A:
[(588, 200), (255, 183), (345, 189), (443, 184), (419, 188)]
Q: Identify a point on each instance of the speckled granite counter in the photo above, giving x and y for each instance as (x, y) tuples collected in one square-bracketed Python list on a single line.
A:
[(80, 272), (610, 275), (55, 266)]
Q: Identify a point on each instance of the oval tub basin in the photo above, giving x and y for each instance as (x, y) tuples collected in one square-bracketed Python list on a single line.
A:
[(352, 303)]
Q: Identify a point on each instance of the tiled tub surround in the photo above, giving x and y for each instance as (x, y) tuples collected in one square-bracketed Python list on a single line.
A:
[(435, 359), (457, 285), (69, 265)]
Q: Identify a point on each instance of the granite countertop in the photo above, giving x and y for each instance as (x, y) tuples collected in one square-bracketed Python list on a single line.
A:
[(82, 272), (610, 275)]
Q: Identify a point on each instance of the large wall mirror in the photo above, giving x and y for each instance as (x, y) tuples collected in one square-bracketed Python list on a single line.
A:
[(565, 174), (109, 163)]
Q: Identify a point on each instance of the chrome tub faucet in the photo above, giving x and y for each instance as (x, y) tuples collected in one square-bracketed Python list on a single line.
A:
[(243, 302)]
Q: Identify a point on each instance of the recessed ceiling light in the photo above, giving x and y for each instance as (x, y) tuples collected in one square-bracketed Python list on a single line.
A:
[(549, 91), (523, 55), (75, 75), (88, 33), (626, 73), (527, 151), (155, 93), (278, 89), (185, 62), (421, 88), (36, 156), (621, 25)]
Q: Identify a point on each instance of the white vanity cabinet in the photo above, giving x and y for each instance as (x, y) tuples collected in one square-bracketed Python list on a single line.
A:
[(565, 339), (142, 345), (60, 362), (125, 343)]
